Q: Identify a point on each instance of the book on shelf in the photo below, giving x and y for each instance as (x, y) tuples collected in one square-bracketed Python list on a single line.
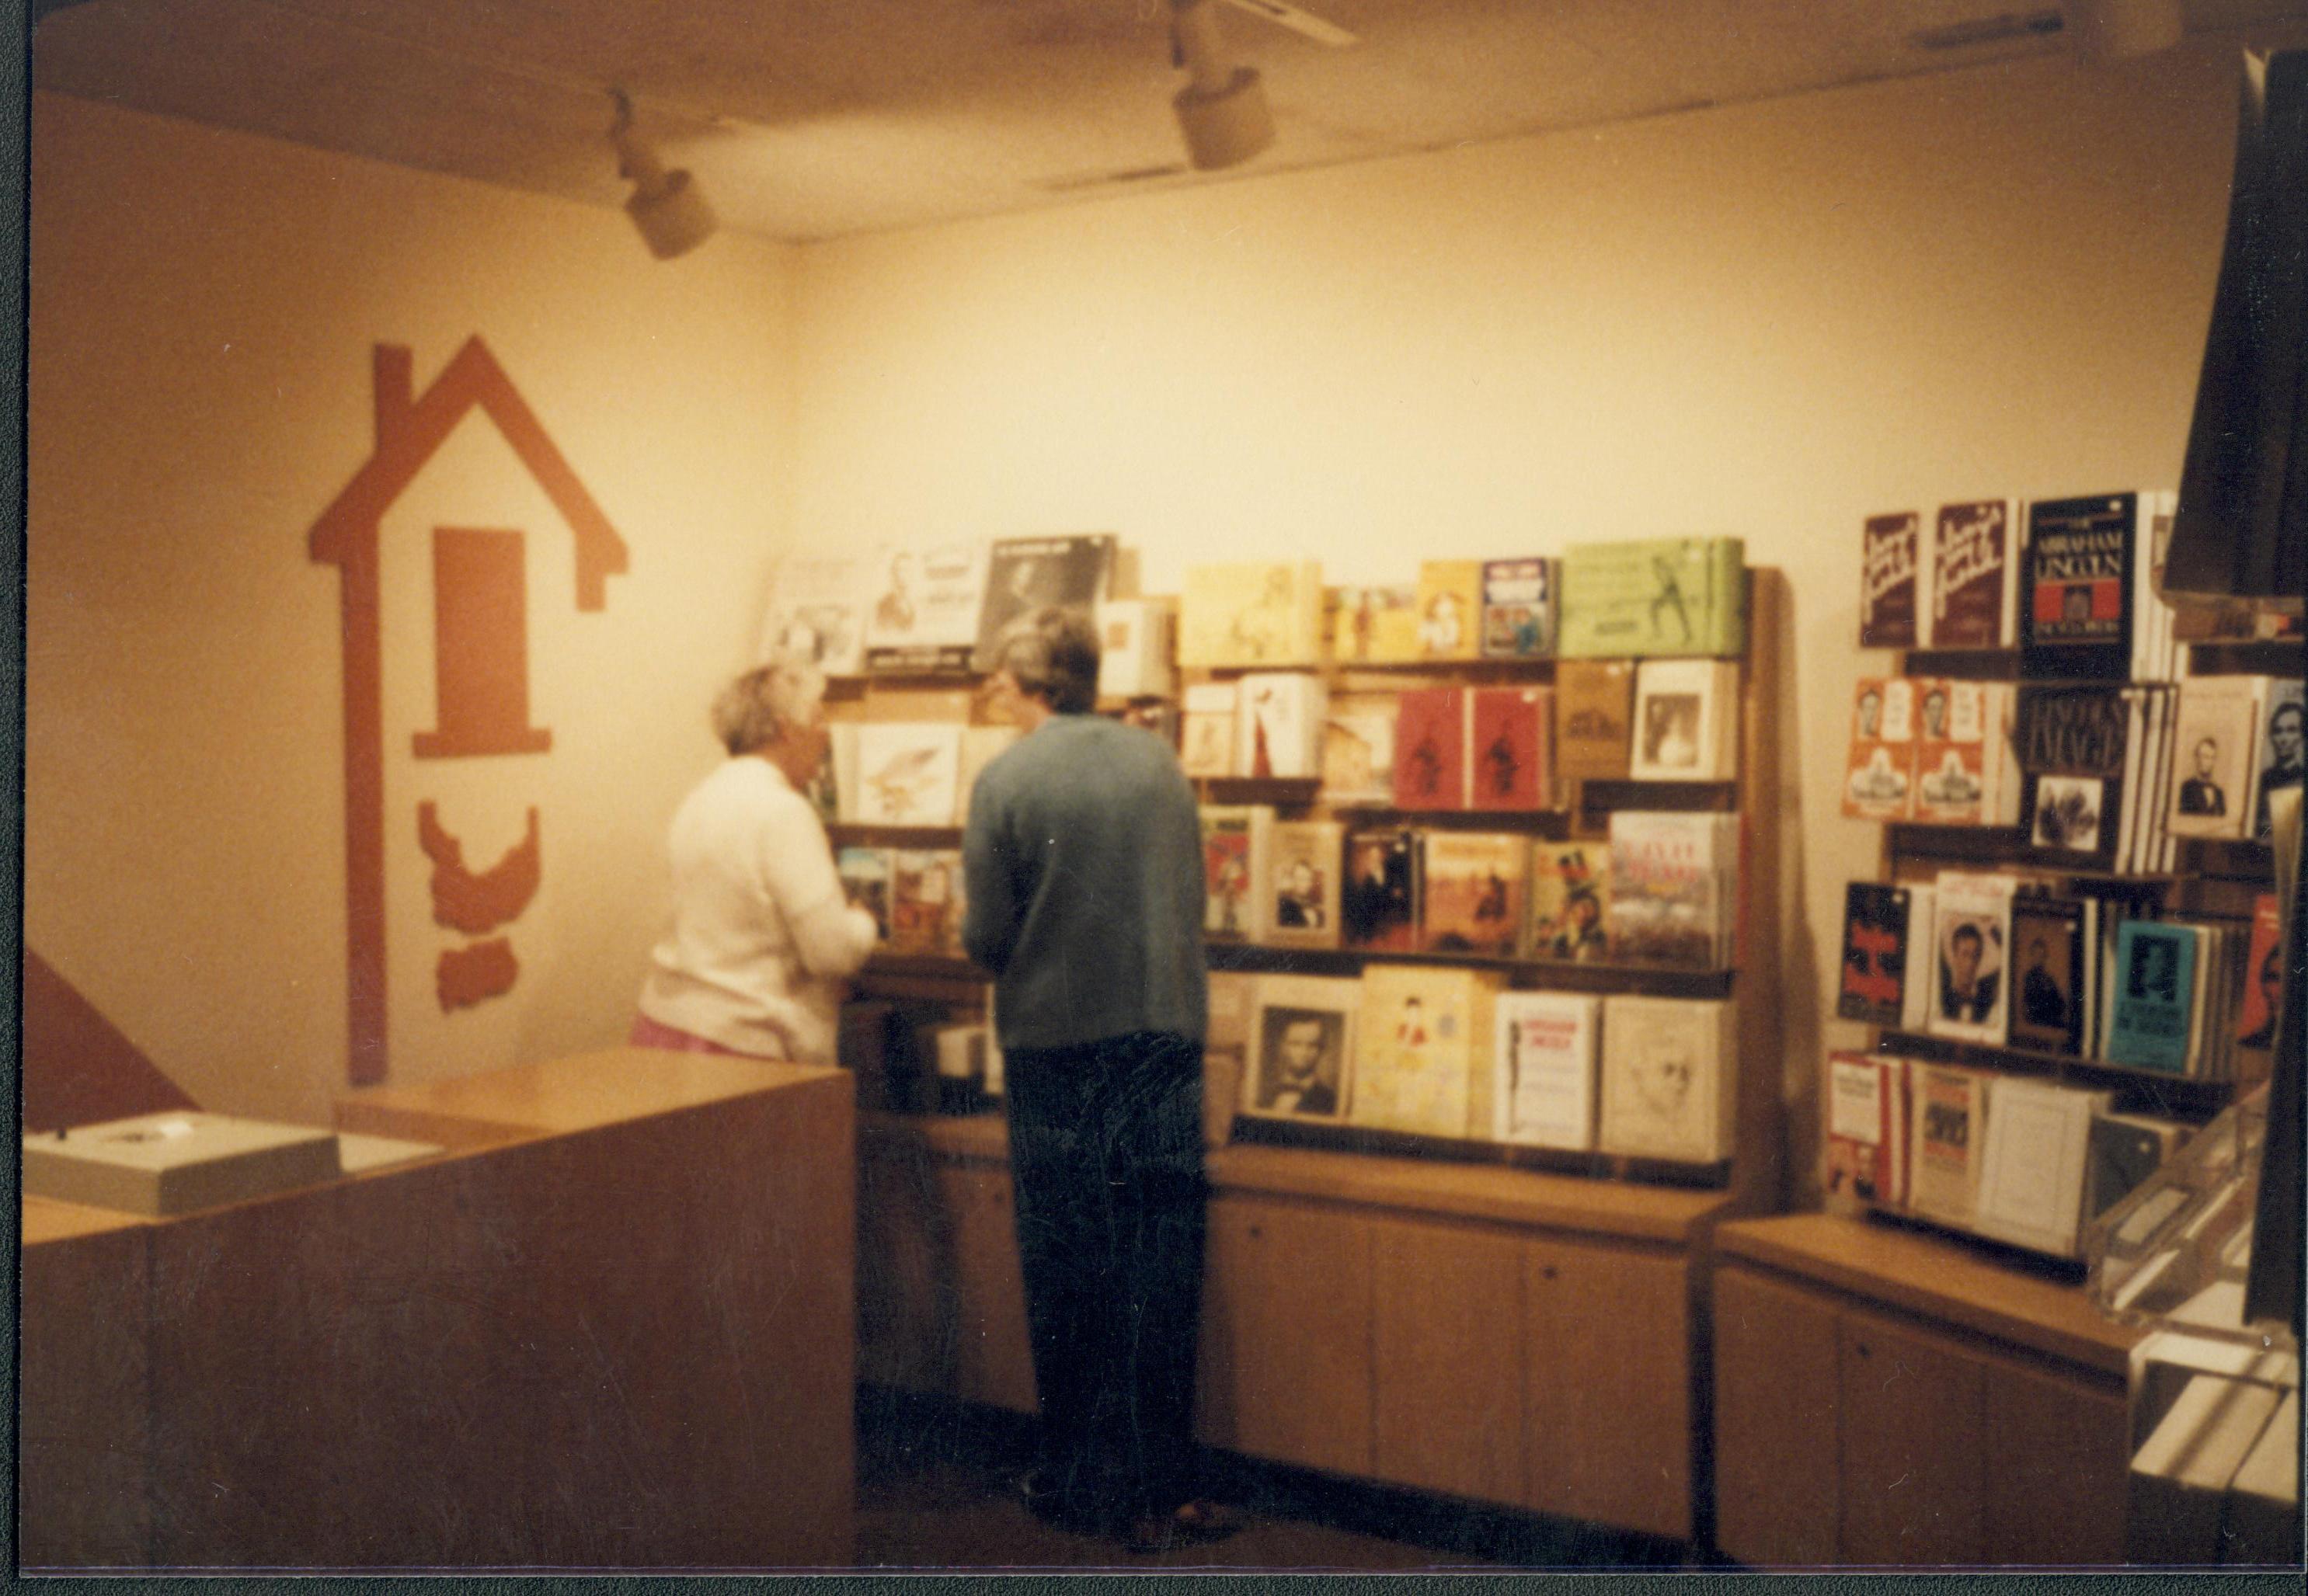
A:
[(1543, 1068), (1252, 614), (1668, 1078), (923, 891), (1234, 841), (980, 747), (1471, 886), (2282, 764), (1975, 576), (1026, 574), (1650, 597), (1891, 581), (1948, 1110), (1686, 720), (1449, 609), (864, 875), (2216, 736), (1866, 1142), (1509, 728), (1430, 749), (1376, 625), (1594, 716), (1137, 640), (2079, 751), (1965, 773), (1358, 750), (2032, 1163), (1232, 995), (1279, 724), (1674, 889), (1422, 1046), (2262, 978), (2053, 943), (1378, 903), (2123, 1151), (1971, 945), (1919, 985), (2088, 607), (1569, 901), (1301, 896), (817, 611), (2153, 1012), (924, 608), (837, 778), (1302, 1048), (1878, 771), (1872, 988), (907, 772), (1518, 608), (1206, 733)]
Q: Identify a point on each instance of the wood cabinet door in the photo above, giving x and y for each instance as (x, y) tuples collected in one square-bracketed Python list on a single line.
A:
[(1286, 1361), (1606, 1383), (993, 1360), (900, 1332), (1446, 1338), (2058, 1468), (1775, 1360), (1914, 1432)]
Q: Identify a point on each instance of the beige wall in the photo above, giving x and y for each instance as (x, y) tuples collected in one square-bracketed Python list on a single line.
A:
[(1772, 320), (204, 306)]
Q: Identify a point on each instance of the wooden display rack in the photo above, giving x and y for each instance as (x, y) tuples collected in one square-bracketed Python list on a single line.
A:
[(1524, 1336)]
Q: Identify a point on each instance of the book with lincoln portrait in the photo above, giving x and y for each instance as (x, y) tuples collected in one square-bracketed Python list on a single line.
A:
[(1302, 1046)]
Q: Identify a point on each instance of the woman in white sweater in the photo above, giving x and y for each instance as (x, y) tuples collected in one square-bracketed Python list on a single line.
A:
[(762, 933)]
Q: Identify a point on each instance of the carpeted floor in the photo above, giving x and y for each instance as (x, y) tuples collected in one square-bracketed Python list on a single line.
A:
[(936, 1491)]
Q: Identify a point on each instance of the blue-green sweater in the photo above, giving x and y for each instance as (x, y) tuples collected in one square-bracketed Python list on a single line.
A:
[(1082, 868)]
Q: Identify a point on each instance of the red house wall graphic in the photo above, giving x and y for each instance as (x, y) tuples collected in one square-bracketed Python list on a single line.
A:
[(480, 675)]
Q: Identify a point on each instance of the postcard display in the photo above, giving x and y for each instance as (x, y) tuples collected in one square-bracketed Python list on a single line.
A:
[(2069, 961), (1478, 858)]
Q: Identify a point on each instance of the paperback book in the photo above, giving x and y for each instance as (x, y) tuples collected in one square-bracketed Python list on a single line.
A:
[(2077, 747), (925, 610), (1891, 575), (1137, 638), (1867, 1143), (1471, 892), (1948, 1112), (922, 894), (2264, 977), (1674, 889), (1518, 608), (1206, 729), (1358, 750), (1375, 625), (1302, 897), (1543, 1055), (907, 772), (1879, 775), (1686, 720), (1972, 942), (1570, 898), (1234, 840), (1252, 614), (1302, 1048), (1422, 1041), (1873, 986), (2215, 743), (2031, 1176), (817, 611), (2282, 760), (2051, 943), (1668, 1079), (1430, 749), (1965, 771), (1378, 909), (1667, 596), (1510, 731), (1449, 609), (1279, 724), (1594, 702), (2153, 1017), (1974, 575), (1025, 574)]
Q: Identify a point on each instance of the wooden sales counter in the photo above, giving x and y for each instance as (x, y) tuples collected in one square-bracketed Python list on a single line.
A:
[(608, 1326)]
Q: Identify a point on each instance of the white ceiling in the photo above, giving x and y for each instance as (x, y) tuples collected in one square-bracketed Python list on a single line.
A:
[(806, 119)]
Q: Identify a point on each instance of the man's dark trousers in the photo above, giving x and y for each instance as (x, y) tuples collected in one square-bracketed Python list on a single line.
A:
[(1106, 1153)]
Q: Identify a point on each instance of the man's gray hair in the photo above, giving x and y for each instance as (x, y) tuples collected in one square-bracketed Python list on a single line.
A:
[(759, 706), (1053, 653)]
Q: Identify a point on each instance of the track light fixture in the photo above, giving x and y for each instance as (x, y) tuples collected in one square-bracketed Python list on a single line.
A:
[(1222, 111), (2114, 29), (666, 206)]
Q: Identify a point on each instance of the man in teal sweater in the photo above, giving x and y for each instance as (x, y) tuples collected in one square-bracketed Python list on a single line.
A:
[(1082, 865)]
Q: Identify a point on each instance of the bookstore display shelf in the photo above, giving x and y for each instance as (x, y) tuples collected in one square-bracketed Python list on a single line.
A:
[(1253, 1130), (860, 833), (2146, 1091), (1551, 974), (2263, 656)]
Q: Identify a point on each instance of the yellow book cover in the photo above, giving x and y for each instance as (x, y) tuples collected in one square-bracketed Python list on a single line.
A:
[(1373, 625), (1450, 609), (1252, 614), (1422, 1058)]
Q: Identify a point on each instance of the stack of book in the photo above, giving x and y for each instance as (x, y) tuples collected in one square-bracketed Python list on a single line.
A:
[(1448, 1053), (1932, 749)]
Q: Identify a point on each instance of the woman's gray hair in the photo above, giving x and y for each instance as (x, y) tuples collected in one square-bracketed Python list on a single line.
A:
[(1053, 653), (757, 708)]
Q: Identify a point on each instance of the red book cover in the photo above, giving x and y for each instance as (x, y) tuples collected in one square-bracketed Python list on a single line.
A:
[(2263, 976), (1510, 747), (1430, 749), (1971, 572)]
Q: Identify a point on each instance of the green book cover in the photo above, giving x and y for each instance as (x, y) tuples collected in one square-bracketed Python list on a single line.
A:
[(1654, 597)]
